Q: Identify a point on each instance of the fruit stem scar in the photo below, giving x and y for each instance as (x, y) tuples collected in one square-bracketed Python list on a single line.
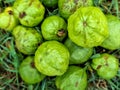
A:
[(22, 14), (10, 12), (84, 23), (61, 33)]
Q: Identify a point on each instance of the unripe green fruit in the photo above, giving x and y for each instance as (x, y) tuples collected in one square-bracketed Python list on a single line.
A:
[(88, 27), (52, 58), (27, 39), (28, 72), (75, 78), (8, 20), (106, 65), (29, 12)]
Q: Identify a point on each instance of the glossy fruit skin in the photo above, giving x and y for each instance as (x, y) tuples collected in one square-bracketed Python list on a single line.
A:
[(51, 27), (88, 27), (113, 40), (50, 3), (8, 20), (68, 7), (52, 58), (28, 72), (75, 78), (78, 55), (106, 66), (29, 12), (27, 39)]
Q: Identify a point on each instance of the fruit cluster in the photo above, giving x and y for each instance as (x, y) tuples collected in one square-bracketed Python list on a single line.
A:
[(64, 41)]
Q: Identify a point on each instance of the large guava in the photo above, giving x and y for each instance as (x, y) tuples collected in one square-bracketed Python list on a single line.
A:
[(106, 65), (78, 55), (113, 40), (27, 39), (75, 78), (29, 12), (54, 28), (68, 7), (88, 27), (8, 20), (52, 58), (28, 72)]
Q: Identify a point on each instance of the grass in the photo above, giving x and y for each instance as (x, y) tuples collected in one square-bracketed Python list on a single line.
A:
[(10, 58)]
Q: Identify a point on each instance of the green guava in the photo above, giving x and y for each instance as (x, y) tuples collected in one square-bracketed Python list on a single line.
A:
[(29, 12), (106, 65), (78, 55), (28, 72), (54, 28), (52, 58), (8, 20), (68, 7), (50, 3), (88, 27), (27, 39), (75, 78), (113, 40)]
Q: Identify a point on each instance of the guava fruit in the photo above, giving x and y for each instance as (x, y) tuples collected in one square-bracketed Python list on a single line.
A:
[(8, 20), (88, 27), (29, 12), (27, 39), (112, 42), (28, 72), (50, 3), (54, 28), (106, 65), (75, 78), (68, 7), (52, 58), (78, 55)]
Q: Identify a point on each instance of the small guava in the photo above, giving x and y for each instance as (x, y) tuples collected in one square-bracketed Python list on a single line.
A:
[(88, 27), (106, 65), (28, 72), (29, 12), (54, 28), (75, 78), (68, 7), (52, 58), (78, 55), (50, 3), (8, 20), (27, 39), (113, 40)]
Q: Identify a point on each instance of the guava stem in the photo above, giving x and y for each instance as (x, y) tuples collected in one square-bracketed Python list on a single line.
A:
[(22, 14), (10, 12)]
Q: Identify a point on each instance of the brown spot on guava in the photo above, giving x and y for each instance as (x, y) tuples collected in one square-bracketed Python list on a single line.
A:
[(76, 84), (32, 64), (22, 14), (84, 23), (99, 66)]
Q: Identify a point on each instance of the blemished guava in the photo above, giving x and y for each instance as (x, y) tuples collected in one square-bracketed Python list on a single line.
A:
[(52, 58), (8, 20), (29, 12), (68, 7), (54, 28), (50, 3), (28, 72), (78, 55), (75, 78), (88, 27), (113, 40), (106, 66), (27, 39)]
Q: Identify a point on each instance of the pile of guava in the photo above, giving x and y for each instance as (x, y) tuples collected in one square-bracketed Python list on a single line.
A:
[(62, 45)]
